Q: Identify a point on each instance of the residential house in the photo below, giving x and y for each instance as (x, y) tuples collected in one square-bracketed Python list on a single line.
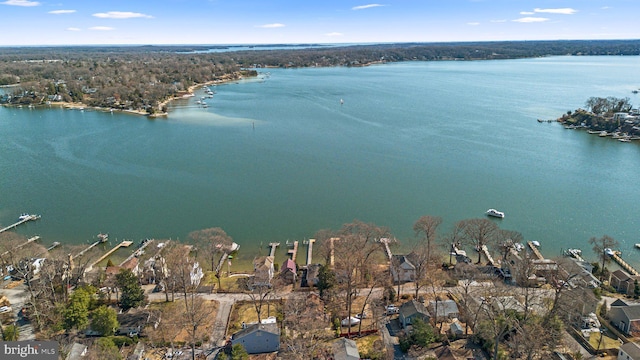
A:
[(258, 338), (288, 271), (263, 270), (132, 323), (626, 317), (403, 268), (623, 282), (77, 352), (444, 309), (345, 349), (310, 275), (411, 310), (629, 351), (506, 303)]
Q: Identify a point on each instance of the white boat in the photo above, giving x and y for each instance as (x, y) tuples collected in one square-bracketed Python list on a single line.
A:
[(535, 243), (24, 216), (603, 134), (495, 213), (638, 246), (608, 252)]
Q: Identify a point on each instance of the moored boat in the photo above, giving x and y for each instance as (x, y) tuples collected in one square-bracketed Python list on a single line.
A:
[(495, 213)]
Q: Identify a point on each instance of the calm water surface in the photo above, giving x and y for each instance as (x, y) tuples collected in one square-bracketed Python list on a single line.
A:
[(279, 157)]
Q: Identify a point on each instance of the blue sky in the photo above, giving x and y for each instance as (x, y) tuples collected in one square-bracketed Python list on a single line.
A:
[(76, 22)]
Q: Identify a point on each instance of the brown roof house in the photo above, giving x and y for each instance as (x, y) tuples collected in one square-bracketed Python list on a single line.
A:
[(411, 310), (263, 270)]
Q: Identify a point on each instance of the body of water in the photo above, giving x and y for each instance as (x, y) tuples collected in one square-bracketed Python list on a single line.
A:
[(279, 157)]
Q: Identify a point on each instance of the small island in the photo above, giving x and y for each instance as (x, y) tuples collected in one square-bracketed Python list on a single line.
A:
[(609, 116)]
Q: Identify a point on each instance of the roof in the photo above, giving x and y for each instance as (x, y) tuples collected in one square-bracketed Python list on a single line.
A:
[(345, 349), (620, 275), (289, 265), (619, 302), (403, 261), (503, 303), (413, 307), (445, 307), (77, 351), (632, 312), (632, 349), (263, 263), (269, 328)]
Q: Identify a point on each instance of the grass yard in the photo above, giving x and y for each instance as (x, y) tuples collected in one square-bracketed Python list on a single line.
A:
[(245, 311), (172, 328), (607, 341)]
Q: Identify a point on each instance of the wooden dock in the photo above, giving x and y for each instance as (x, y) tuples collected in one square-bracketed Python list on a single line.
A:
[(624, 265), (14, 225), (224, 257), (310, 251), (29, 241), (535, 251), (273, 248), (138, 252), (485, 252), (90, 247), (124, 243), (385, 242), (293, 252)]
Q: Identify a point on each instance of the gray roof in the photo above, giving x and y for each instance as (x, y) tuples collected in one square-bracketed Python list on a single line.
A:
[(345, 349), (632, 312), (619, 302), (632, 349), (402, 261), (270, 328), (445, 307), (413, 307)]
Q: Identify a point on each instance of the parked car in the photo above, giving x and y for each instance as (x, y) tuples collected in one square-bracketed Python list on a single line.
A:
[(361, 316), (353, 320), (5, 309), (391, 309)]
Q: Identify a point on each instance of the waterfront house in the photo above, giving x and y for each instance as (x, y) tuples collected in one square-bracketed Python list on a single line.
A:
[(263, 270), (623, 282), (629, 351), (411, 310), (625, 317), (403, 268), (345, 349), (288, 271), (443, 309), (258, 338)]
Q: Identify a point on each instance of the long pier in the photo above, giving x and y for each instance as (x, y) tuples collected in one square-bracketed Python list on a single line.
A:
[(310, 251), (22, 221), (125, 243), (138, 252), (273, 248), (90, 247), (29, 241), (535, 251), (387, 250), (624, 265), (293, 252)]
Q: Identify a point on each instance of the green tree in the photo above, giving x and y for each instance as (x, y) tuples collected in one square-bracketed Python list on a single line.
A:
[(132, 293), (76, 315), (239, 353), (106, 349), (326, 279), (104, 320), (421, 335), (10, 333)]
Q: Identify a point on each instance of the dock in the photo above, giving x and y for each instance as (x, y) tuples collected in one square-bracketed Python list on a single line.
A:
[(124, 243), (273, 248), (535, 251), (385, 242), (53, 246), (29, 241), (310, 251), (293, 252), (624, 265), (103, 238), (224, 257), (22, 221), (138, 252), (485, 252)]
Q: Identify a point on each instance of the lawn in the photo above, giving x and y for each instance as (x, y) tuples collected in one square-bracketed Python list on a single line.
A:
[(245, 311), (171, 329), (607, 341)]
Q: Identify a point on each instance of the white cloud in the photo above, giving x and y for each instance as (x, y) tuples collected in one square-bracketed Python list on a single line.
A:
[(531, 20), (101, 28), (473, 23), (368, 6), (334, 34), (499, 21), (605, 8), (57, 12), (121, 15), (21, 3), (564, 11), (526, 13), (73, 29), (271, 26)]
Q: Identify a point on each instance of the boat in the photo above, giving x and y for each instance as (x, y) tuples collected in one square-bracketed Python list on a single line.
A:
[(602, 133), (638, 245), (624, 139), (535, 243), (24, 216), (609, 252), (593, 131), (495, 213)]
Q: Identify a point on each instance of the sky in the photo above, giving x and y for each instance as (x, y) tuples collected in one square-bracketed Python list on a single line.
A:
[(91, 22)]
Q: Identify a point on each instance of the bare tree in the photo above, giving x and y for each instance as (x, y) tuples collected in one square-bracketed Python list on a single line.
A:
[(212, 242), (479, 232), (603, 245), (422, 255)]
